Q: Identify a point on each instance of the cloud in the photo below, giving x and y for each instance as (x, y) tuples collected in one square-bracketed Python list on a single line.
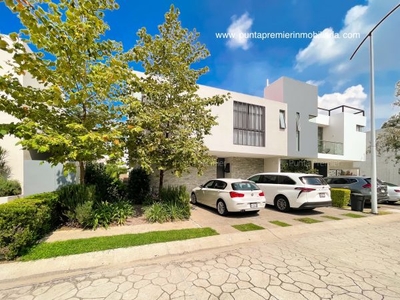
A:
[(316, 82), (238, 30), (353, 96), (333, 49)]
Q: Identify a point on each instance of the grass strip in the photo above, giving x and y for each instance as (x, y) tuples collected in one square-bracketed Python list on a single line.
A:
[(280, 223), (308, 220), (79, 246), (331, 217), (247, 227), (351, 215)]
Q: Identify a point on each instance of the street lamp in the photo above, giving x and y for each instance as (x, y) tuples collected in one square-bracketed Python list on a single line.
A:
[(374, 200)]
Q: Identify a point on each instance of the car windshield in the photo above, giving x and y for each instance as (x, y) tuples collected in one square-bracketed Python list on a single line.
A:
[(244, 186), (313, 180)]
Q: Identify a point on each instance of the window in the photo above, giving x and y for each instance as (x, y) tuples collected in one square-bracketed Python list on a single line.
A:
[(248, 124), (286, 180), (282, 119), (219, 185), (298, 131), (359, 128), (244, 186)]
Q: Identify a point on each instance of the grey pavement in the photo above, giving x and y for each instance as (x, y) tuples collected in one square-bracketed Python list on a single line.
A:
[(346, 259)]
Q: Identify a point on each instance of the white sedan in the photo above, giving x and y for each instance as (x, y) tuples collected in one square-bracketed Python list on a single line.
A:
[(393, 192), (229, 195)]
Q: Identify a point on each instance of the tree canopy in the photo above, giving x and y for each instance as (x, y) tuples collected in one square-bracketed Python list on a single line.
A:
[(82, 107), (388, 140), (73, 112), (175, 118)]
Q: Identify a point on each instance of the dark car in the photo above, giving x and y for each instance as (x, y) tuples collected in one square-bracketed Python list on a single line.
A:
[(359, 184)]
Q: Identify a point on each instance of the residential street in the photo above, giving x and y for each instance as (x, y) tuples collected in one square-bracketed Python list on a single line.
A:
[(348, 259)]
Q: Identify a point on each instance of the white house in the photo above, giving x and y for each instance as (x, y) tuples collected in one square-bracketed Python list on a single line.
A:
[(256, 134)]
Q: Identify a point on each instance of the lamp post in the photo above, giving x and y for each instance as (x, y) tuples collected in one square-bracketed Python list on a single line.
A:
[(374, 197)]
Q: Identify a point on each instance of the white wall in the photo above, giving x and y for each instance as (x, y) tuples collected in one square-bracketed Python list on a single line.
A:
[(220, 142)]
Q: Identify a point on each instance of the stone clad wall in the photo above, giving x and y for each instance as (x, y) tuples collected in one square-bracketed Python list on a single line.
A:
[(243, 167), (240, 167)]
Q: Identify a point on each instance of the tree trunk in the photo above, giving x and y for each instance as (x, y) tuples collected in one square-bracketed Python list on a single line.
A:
[(82, 172), (160, 185)]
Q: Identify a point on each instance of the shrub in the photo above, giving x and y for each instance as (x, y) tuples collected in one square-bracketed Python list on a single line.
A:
[(106, 213), (108, 186), (72, 197), (340, 197), (24, 221), (138, 186), (9, 187), (173, 204)]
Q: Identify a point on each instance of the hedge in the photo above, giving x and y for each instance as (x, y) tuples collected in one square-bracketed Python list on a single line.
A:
[(340, 197), (25, 221)]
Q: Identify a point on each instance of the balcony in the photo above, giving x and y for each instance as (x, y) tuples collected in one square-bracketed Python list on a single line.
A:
[(327, 147)]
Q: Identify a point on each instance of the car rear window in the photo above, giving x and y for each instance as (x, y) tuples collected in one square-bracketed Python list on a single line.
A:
[(244, 186), (313, 180)]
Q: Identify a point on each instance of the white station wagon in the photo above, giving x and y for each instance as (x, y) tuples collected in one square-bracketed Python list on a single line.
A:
[(229, 195), (293, 190)]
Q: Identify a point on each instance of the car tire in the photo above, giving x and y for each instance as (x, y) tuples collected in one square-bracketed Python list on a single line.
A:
[(193, 198), (282, 204), (221, 208)]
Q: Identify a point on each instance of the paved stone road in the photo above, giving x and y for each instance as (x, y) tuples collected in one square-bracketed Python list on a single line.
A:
[(360, 263)]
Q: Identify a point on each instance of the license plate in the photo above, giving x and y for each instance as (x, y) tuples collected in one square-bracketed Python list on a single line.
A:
[(253, 205), (322, 195)]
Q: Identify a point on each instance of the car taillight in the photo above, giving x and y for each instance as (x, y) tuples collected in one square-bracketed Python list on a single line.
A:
[(303, 189), (397, 191), (261, 194), (366, 186), (236, 195)]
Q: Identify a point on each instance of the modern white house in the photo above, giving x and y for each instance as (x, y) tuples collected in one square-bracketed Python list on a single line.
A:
[(258, 134), (254, 134), (27, 166)]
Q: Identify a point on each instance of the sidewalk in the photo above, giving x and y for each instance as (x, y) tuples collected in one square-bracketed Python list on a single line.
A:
[(16, 272)]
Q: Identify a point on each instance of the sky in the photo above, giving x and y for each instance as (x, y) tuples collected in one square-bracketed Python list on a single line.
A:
[(247, 48)]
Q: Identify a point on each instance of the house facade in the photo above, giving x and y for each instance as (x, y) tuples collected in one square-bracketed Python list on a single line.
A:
[(286, 126)]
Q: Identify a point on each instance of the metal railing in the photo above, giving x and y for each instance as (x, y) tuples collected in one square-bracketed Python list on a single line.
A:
[(344, 108), (328, 147)]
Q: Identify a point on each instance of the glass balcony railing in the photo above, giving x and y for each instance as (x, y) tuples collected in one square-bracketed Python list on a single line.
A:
[(330, 147)]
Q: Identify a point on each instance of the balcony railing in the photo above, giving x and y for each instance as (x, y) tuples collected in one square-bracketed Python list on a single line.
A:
[(330, 147)]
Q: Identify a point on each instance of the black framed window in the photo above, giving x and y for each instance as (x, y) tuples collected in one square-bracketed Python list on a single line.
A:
[(248, 124)]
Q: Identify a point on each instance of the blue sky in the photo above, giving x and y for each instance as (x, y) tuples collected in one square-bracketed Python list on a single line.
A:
[(244, 64)]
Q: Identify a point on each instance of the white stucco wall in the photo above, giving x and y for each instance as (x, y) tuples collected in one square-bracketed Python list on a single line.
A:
[(220, 142)]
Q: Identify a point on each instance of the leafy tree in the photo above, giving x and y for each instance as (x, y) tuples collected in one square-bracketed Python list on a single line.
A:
[(73, 114), (4, 168), (174, 117), (388, 140)]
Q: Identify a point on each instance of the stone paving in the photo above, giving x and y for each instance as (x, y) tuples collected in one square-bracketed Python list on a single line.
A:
[(362, 262)]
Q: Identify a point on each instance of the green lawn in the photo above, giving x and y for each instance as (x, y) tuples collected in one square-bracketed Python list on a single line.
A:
[(247, 227), (331, 217), (351, 215), (63, 248), (308, 220), (280, 223)]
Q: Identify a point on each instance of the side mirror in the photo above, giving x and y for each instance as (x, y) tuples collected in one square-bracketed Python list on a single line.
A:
[(201, 186)]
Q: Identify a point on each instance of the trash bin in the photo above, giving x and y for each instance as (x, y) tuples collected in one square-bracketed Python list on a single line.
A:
[(357, 202)]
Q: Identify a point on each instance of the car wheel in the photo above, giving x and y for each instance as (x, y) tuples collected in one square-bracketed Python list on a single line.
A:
[(193, 198), (221, 208), (282, 204)]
